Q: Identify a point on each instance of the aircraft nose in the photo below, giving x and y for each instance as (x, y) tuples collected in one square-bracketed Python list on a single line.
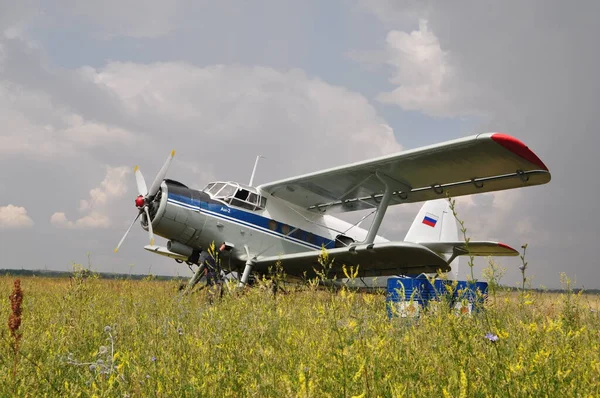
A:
[(139, 201)]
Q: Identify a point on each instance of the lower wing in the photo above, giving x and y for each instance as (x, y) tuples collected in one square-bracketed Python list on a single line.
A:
[(385, 259), (377, 259)]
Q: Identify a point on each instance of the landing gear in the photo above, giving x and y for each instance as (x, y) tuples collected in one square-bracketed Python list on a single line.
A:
[(209, 266), (246, 274), (205, 262), (247, 268)]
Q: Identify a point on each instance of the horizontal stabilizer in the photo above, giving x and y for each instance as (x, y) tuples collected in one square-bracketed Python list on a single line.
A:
[(163, 251), (475, 248), (377, 259)]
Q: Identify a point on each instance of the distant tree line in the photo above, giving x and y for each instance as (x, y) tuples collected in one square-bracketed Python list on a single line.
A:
[(112, 275), (68, 274)]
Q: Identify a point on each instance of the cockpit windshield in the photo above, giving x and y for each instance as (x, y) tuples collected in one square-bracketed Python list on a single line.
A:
[(236, 195)]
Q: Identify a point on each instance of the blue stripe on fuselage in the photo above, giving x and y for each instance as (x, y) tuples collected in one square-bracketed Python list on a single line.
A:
[(252, 220)]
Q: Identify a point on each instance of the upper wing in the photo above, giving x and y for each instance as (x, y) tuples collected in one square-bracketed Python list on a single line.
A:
[(476, 164), (377, 259)]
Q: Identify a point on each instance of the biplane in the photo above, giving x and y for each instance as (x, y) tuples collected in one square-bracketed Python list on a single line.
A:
[(293, 219)]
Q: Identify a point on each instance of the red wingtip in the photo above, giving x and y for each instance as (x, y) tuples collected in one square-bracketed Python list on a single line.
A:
[(518, 148), (507, 247)]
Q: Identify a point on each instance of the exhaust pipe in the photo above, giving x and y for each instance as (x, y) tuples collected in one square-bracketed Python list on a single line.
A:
[(179, 248)]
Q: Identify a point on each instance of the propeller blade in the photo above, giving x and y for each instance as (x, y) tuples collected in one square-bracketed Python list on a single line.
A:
[(139, 180), (160, 176), (128, 229), (150, 231)]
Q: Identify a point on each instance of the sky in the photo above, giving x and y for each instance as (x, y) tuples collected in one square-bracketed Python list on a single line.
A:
[(88, 90)]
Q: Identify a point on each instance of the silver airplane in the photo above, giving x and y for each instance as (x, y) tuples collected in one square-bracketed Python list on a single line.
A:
[(292, 220)]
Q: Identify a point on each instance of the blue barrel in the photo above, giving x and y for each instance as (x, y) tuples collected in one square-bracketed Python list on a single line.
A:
[(471, 294), (442, 288), (406, 296)]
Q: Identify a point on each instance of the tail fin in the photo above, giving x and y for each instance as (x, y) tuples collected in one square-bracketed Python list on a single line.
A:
[(436, 228), (434, 223)]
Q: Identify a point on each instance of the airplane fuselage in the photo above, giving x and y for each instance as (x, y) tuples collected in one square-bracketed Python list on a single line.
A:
[(194, 219)]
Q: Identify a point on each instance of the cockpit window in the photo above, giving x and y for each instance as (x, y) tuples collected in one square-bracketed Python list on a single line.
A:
[(227, 191), (215, 188), (236, 195)]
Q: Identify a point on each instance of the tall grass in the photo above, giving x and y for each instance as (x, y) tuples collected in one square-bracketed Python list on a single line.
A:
[(87, 336)]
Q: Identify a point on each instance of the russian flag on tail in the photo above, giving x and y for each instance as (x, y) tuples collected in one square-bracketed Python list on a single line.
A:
[(430, 219)]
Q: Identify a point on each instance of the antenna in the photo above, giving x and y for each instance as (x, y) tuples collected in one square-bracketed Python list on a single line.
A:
[(254, 169)]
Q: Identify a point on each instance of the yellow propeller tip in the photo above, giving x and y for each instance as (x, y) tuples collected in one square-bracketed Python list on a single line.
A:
[(173, 152), (116, 249), (152, 242), (136, 168)]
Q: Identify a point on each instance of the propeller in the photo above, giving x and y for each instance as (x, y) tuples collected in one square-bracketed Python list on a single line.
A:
[(139, 180), (146, 196)]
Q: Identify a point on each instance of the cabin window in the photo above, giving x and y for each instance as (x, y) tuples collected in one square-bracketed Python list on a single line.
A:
[(252, 198), (242, 203), (242, 194), (273, 225), (241, 200), (299, 234)]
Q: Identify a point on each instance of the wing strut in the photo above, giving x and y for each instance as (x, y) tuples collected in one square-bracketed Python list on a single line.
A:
[(383, 204)]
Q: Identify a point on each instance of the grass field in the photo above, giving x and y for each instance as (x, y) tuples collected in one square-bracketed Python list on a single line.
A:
[(87, 336)]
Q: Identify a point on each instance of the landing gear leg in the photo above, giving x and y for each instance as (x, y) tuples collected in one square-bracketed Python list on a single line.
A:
[(246, 273), (196, 278), (247, 269)]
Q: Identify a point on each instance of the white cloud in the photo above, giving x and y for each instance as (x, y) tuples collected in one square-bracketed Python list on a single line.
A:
[(59, 219), (112, 187), (426, 80), (51, 113), (38, 125), (89, 134), (14, 217), (91, 221), (223, 116)]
